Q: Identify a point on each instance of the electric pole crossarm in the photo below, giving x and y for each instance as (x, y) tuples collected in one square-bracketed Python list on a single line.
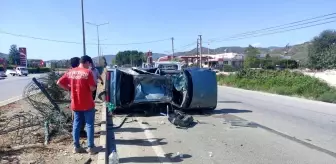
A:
[(98, 40)]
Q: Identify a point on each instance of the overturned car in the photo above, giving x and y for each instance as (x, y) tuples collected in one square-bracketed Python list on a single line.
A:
[(148, 89)]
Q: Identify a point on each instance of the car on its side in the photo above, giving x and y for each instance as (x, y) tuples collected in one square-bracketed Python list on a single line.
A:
[(142, 89)]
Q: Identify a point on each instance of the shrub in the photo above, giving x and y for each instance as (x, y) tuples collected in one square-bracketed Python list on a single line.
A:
[(39, 70), (281, 82), (228, 68)]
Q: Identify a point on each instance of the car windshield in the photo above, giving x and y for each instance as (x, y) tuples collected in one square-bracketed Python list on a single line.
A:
[(22, 69), (2, 69), (168, 66)]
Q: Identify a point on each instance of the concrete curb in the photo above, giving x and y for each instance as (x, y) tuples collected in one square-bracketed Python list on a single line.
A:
[(11, 100), (102, 140)]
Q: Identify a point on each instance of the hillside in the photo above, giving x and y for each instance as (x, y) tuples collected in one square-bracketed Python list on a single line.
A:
[(2, 55), (298, 52)]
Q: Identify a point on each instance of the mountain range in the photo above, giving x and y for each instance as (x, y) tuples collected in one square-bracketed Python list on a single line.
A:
[(297, 52)]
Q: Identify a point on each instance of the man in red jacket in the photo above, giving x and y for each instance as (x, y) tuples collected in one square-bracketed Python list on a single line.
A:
[(81, 83)]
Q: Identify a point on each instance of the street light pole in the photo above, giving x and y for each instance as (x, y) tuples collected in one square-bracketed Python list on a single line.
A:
[(98, 40), (83, 29)]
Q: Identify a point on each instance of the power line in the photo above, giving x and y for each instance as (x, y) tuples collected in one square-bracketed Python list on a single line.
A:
[(181, 47), (230, 39), (281, 28), (275, 27), (72, 42)]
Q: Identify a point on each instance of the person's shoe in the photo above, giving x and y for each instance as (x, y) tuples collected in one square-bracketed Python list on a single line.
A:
[(79, 150), (93, 150)]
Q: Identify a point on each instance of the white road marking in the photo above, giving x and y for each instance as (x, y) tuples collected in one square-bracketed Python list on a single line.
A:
[(157, 148)]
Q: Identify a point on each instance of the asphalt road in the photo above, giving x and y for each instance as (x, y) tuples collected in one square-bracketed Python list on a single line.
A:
[(247, 127), (12, 87)]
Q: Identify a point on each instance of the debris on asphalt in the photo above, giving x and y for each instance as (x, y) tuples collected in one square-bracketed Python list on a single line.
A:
[(179, 154), (143, 122), (210, 154), (181, 119), (178, 141), (162, 123)]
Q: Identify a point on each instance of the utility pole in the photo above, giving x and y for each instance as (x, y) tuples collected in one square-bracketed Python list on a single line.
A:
[(172, 46), (208, 49), (83, 30), (200, 42), (197, 48), (97, 26)]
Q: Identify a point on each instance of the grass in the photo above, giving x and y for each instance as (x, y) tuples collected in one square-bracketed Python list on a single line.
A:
[(281, 82)]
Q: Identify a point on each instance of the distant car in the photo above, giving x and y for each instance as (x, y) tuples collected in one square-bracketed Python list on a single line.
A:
[(2, 72), (18, 71), (144, 89)]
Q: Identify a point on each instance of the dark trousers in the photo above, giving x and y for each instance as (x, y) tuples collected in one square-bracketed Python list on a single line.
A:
[(94, 95)]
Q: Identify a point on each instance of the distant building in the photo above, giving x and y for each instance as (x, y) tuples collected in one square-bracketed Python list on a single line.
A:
[(208, 60), (48, 64)]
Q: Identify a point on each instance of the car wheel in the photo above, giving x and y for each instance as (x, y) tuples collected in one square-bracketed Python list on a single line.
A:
[(189, 92)]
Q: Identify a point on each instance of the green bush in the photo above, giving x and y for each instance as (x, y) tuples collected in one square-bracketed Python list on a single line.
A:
[(228, 68), (281, 82), (39, 70)]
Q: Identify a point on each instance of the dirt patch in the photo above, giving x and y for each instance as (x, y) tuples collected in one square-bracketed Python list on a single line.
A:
[(30, 148)]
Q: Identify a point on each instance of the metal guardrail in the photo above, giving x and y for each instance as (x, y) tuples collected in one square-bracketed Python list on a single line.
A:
[(107, 137)]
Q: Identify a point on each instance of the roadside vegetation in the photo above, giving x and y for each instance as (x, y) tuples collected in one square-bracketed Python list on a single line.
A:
[(30, 69), (280, 82), (274, 75)]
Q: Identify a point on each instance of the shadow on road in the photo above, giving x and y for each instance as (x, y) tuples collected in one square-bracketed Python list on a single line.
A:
[(133, 130), (228, 111), (141, 142), (155, 159), (217, 111)]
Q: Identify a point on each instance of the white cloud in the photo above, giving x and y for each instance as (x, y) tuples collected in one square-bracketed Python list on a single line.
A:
[(256, 44)]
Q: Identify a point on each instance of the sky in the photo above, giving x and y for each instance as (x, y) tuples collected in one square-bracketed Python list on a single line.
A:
[(137, 21)]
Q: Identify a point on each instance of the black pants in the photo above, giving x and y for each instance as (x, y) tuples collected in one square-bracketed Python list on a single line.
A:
[(94, 95)]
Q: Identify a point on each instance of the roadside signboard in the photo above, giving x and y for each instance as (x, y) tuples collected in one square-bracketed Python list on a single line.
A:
[(23, 56)]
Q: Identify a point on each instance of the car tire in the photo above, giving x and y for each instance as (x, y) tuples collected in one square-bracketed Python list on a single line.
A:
[(189, 92)]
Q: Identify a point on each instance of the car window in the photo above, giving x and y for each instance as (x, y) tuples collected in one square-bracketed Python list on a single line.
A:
[(168, 66)]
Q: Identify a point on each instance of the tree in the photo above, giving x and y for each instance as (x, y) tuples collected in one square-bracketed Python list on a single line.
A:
[(134, 58), (321, 51), (251, 59), (14, 55)]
